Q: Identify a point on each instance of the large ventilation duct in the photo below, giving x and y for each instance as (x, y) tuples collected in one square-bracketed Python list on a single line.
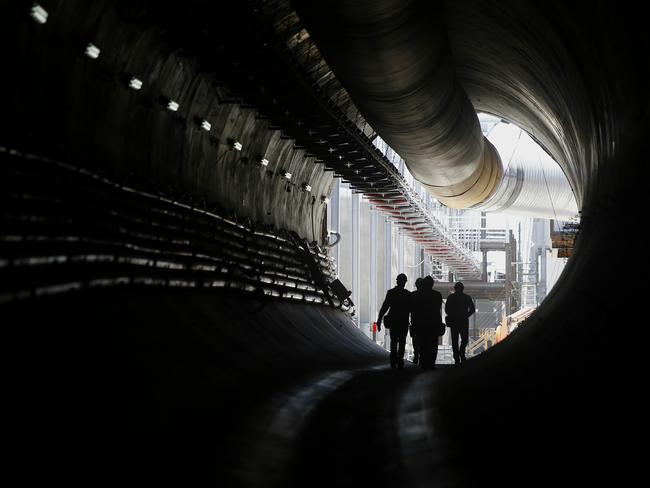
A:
[(393, 59), (532, 184)]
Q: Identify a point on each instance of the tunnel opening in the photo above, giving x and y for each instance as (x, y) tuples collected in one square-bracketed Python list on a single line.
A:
[(150, 117), (531, 203)]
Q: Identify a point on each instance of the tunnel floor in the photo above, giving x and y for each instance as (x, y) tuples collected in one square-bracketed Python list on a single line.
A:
[(361, 427), (191, 388), (199, 388)]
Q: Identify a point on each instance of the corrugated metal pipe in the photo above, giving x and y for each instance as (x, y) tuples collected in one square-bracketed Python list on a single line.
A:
[(393, 58), (533, 184)]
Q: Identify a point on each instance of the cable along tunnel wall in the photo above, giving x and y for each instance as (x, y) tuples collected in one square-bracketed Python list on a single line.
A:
[(67, 230)]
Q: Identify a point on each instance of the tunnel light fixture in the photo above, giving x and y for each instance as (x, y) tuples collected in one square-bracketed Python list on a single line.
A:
[(325, 199), (237, 146), (306, 187), (172, 106), (287, 175), (206, 126), (92, 51), (264, 162), (38, 13), (135, 83)]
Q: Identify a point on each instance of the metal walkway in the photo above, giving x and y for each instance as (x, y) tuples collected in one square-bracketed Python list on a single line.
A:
[(303, 108)]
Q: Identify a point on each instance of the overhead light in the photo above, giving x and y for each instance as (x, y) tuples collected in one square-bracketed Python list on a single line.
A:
[(287, 175), (172, 106), (237, 146), (38, 13), (135, 83), (205, 125), (92, 51), (325, 199), (306, 187), (264, 162)]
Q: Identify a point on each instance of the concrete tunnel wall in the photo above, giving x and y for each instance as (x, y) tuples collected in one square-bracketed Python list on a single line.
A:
[(84, 112), (552, 402)]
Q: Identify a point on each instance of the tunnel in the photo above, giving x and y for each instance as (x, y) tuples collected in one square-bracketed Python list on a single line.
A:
[(165, 291)]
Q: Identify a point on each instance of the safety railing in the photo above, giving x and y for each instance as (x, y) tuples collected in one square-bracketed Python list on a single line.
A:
[(486, 339), (398, 199)]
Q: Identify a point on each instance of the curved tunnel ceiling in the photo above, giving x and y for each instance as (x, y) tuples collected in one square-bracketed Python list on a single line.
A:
[(393, 58), (528, 73), (548, 400)]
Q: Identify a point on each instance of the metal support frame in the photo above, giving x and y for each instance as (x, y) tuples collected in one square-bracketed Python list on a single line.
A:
[(388, 266), (484, 265), (511, 272), (400, 251), (356, 254), (421, 260), (335, 216), (373, 266)]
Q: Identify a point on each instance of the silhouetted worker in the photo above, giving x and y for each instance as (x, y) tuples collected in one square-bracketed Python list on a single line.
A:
[(397, 321), (426, 304), (459, 308), (413, 330)]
